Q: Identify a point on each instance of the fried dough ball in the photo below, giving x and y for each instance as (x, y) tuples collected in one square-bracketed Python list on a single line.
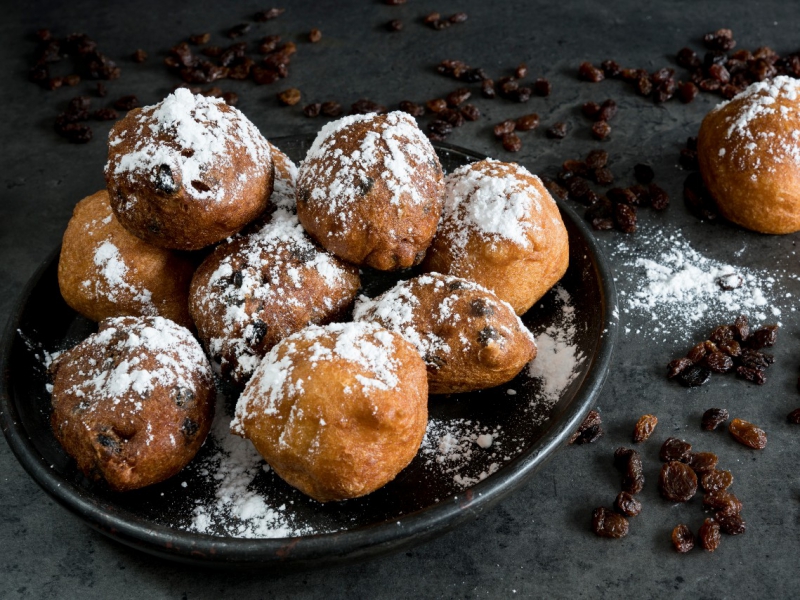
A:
[(255, 290), (187, 172), (502, 229), (370, 190), (285, 180), (749, 155), (468, 337), (133, 403), (337, 411), (104, 271)]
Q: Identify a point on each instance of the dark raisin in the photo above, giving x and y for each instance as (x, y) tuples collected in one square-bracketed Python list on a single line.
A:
[(644, 428), (731, 524), (644, 86), (289, 97), (555, 189), (127, 103), (511, 142), (764, 337), (596, 159), (394, 25), (589, 435), (591, 420), (470, 112), (741, 328), (714, 417), (331, 109), (602, 223), (601, 130), (557, 130), (487, 335), (363, 106), (480, 308), (720, 73), (588, 72), (675, 449), (590, 109), (644, 173), (625, 218), (105, 114), (436, 105), (677, 482), (607, 110), (753, 359), (199, 39), (659, 199), (603, 176), (687, 92), (263, 76), (722, 39), (731, 348), (139, 56), (527, 122), (677, 366), (794, 417), (640, 193), (255, 332), (504, 128), (268, 15), (183, 397), (630, 463), (542, 87), (697, 353), (314, 36), (238, 30), (606, 523), (578, 188), (458, 17), (756, 376), (718, 362), (190, 427), (715, 480), (723, 501), (688, 160), (487, 88), (415, 110), (688, 58), (610, 68), (702, 461), (748, 434), (577, 167), (682, 538), (439, 127), (520, 94), (627, 505), (709, 535), (458, 96)]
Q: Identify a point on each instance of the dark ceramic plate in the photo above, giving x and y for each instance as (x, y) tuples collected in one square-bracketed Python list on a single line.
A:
[(423, 501)]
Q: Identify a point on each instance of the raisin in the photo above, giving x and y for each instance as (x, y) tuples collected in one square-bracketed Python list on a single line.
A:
[(487, 88), (289, 97), (644, 173), (601, 130), (659, 199), (718, 362), (611, 68), (694, 376), (415, 110), (105, 114), (593, 418), (731, 348), (458, 96), (731, 524), (709, 535), (640, 193), (627, 505), (199, 39), (512, 143), (741, 328), (603, 176), (555, 189), (331, 109), (687, 92), (721, 334), (312, 110), (688, 58), (688, 160), (439, 127), (715, 480), (630, 463), (682, 538), (127, 103), (139, 56), (794, 417), (644, 86), (753, 359), (677, 481), (722, 39), (578, 188), (314, 36), (590, 435), (238, 30), (363, 106), (644, 428), (723, 501), (504, 128), (625, 218), (557, 130), (470, 112), (697, 353), (527, 122), (764, 337), (268, 15), (753, 375), (588, 72), (713, 417), (602, 223), (394, 25), (607, 110), (677, 366), (702, 462), (542, 87), (606, 523), (590, 109), (458, 17), (748, 434), (720, 73)]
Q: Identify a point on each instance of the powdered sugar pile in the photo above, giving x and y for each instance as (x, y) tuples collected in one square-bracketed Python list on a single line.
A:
[(681, 289)]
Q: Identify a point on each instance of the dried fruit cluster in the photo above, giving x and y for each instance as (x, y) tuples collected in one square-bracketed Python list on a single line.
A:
[(729, 348)]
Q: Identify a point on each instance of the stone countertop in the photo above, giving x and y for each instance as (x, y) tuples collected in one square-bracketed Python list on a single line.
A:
[(537, 541)]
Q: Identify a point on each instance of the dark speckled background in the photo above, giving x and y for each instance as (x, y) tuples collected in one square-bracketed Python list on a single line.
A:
[(536, 542)]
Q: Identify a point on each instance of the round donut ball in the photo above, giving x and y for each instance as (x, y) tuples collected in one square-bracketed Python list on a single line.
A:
[(370, 190), (468, 337), (749, 155), (255, 290), (133, 403), (104, 271), (337, 411), (501, 229), (285, 180), (187, 172)]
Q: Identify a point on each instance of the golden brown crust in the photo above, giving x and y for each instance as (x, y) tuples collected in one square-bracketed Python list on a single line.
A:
[(337, 411), (501, 229), (133, 403), (104, 271), (749, 156), (370, 190), (468, 337), (187, 172), (255, 290)]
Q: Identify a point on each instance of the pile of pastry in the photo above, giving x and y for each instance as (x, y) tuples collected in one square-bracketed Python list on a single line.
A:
[(211, 256)]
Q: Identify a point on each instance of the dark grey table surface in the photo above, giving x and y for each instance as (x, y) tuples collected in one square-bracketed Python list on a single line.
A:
[(537, 541)]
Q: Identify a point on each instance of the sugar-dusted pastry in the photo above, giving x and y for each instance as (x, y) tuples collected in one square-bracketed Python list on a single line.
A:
[(468, 337), (256, 289), (337, 411), (502, 229), (370, 190), (749, 154), (104, 271), (285, 179), (188, 171), (133, 403)]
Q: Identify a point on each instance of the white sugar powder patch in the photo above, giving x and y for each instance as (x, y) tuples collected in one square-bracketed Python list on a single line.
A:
[(113, 278), (681, 289)]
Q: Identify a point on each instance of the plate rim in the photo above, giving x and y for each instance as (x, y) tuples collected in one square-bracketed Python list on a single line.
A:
[(324, 548)]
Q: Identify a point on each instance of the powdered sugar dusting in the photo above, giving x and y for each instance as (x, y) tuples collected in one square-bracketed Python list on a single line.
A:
[(112, 278), (285, 180)]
